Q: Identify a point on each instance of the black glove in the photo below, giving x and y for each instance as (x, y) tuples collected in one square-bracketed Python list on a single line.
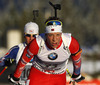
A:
[(13, 79), (9, 62), (77, 78)]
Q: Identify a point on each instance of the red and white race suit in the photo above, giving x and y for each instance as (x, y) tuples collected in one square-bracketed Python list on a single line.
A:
[(49, 66)]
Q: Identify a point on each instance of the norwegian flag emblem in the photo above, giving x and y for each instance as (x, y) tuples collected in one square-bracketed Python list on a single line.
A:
[(52, 29)]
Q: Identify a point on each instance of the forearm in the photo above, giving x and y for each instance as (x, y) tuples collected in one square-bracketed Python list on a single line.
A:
[(77, 64), (21, 64)]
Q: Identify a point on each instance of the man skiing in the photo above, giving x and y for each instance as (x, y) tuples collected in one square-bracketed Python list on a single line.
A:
[(53, 49), (31, 31)]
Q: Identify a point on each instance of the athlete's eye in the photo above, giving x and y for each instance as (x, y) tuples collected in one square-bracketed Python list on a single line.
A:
[(50, 35)]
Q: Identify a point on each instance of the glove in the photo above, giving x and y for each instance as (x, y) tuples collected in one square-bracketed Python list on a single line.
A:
[(13, 79), (9, 62), (77, 78)]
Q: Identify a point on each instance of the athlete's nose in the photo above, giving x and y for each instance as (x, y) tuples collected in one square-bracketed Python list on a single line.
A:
[(54, 38)]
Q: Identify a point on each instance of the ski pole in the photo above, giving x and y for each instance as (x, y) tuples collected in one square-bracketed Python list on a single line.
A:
[(3, 70), (73, 82)]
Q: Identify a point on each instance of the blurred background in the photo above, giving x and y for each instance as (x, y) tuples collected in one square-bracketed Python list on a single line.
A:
[(79, 17)]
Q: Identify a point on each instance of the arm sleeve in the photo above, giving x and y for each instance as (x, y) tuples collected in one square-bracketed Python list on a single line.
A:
[(28, 54), (12, 53), (75, 56)]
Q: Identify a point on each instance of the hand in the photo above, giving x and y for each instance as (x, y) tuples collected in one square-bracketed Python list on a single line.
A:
[(9, 62), (77, 78), (13, 79)]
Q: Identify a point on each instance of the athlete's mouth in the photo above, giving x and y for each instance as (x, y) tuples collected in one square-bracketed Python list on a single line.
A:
[(54, 44)]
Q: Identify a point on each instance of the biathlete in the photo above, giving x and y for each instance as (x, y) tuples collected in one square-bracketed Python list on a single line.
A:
[(53, 49), (31, 31)]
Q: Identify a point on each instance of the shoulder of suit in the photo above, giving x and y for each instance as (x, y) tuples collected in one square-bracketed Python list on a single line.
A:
[(66, 37), (40, 39), (22, 44), (67, 34)]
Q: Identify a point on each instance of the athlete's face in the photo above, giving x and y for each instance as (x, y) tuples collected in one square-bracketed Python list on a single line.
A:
[(53, 39), (29, 37)]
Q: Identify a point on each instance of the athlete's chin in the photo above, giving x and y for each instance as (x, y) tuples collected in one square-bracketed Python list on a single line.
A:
[(28, 43), (54, 46)]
